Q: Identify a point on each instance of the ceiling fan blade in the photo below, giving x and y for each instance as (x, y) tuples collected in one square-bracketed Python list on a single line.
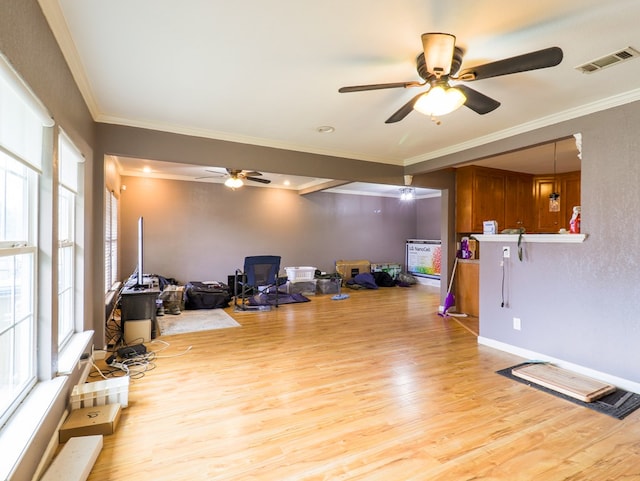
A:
[(478, 102), (403, 111), (208, 177), (251, 173), (362, 88), (257, 179), (548, 57)]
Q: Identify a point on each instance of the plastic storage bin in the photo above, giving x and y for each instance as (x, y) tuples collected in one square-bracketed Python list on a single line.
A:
[(101, 393), (299, 274), (329, 286), (306, 288)]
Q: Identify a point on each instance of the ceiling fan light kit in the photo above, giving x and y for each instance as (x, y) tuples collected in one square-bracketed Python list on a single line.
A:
[(440, 101), (234, 182), (235, 178)]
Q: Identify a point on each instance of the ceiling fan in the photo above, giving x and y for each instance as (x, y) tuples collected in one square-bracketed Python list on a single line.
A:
[(236, 177), (439, 64)]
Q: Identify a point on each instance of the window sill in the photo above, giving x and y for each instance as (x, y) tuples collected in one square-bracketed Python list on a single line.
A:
[(72, 352), (21, 428), (540, 238)]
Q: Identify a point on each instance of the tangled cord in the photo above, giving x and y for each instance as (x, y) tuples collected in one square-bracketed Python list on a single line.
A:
[(137, 366)]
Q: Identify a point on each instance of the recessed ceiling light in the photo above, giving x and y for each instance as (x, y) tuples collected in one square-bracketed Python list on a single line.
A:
[(146, 169), (326, 129)]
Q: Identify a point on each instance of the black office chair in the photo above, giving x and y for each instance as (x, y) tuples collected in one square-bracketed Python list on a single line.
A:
[(256, 286)]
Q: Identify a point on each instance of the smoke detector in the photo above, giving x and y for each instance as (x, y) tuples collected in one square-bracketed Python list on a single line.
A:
[(609, 60)]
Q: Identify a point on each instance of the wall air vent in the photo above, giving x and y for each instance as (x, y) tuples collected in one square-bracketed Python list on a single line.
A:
[(609, 60)]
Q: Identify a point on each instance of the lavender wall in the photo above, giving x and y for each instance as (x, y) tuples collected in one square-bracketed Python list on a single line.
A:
[(579, 302), (429, 218), (203, 231)]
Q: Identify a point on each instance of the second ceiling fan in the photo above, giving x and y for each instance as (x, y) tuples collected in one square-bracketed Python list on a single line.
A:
[(439, 63), (236, 177)]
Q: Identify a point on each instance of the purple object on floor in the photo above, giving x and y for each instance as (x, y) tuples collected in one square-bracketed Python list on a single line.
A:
[(270, 299)]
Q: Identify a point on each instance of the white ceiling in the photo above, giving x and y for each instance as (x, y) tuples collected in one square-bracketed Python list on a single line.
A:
[(268, 73), (185, 172)]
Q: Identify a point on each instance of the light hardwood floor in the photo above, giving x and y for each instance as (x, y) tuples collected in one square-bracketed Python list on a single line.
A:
[(375, 387)]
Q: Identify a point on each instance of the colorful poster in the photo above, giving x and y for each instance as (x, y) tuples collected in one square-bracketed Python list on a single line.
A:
[(423, 258)]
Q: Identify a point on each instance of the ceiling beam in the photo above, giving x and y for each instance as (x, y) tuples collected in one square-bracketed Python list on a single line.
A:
[(324, 186)]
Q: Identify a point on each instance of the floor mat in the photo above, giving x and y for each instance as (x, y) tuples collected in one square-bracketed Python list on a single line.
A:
[(618, 404), (194, 321), (270, 299)]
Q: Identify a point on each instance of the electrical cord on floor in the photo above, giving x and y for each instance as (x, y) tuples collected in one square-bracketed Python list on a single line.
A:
[(136, 366), (166, 345), (503, 274), (98, 371)]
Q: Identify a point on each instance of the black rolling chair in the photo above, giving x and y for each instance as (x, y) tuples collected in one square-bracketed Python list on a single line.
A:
[(256, 286)]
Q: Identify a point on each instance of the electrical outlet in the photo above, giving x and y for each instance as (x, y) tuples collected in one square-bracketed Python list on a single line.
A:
[(517, 323), (506, 252)]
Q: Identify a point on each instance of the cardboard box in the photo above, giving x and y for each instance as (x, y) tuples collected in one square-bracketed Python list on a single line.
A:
[(473, 248), (489, 227), (90, 421), (350, 269)]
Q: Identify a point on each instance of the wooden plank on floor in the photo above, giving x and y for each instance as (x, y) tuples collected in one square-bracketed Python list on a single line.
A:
[(566, 382)]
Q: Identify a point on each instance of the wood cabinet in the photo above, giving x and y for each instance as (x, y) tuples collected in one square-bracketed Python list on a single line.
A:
[(518, 201), (492, 194), (480, 194), (568, 186), (467, 287), (513, 199)]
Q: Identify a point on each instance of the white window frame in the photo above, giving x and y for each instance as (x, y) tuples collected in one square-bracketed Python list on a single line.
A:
[(16, 381), (66, 266), (24, 133), (69, 159), (111, 240)]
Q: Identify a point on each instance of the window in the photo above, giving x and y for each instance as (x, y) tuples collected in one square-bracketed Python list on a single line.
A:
[(17, 277), (68, 159), (111, 240), (22, 139)]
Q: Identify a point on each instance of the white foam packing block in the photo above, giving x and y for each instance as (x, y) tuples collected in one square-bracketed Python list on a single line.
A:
[(75, 460)]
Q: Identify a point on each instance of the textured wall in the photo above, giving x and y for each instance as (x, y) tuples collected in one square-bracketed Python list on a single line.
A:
[(429, 217), (203, 231), (579, 302)]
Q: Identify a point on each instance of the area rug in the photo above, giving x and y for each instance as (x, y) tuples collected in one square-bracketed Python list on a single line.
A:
[(618, 404), (194, 321)]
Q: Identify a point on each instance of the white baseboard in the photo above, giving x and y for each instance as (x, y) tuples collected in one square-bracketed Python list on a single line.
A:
[(526, 354), (426, 281), (50, 451)]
